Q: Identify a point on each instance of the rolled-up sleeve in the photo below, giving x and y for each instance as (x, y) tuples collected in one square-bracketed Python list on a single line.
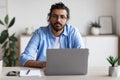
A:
[(31, 50)]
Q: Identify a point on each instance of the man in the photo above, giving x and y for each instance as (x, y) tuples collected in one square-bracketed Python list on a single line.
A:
[(58, 34)]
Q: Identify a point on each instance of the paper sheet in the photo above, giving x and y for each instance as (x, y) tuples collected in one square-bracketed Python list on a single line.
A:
[(31, 73)]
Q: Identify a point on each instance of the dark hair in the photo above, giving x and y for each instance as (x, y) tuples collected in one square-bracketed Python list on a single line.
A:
[(59, 5)]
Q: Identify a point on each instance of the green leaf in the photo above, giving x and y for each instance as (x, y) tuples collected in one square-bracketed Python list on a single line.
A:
[(95, 24), (13, 54), (12, 63), (113, 60), (6, 52), (6, 19), (5, 59), (110, 61), (11, 22), (13, 38), (1, 22), (4, 36), (12, 45)]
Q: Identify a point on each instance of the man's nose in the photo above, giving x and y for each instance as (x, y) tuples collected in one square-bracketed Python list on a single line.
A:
[(58, 18)]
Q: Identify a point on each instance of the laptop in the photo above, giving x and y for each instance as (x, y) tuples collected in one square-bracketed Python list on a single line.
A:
[(67, 62)]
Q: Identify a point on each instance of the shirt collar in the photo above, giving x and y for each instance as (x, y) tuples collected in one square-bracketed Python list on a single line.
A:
[(65, 32)]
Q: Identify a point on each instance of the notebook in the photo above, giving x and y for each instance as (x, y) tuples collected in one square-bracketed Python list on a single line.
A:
[(67, 62), (31, 73)]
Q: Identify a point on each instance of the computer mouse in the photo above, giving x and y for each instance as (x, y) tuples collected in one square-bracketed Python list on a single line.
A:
[(12, 73)]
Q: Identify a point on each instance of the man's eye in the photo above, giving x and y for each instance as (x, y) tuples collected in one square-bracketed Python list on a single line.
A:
[(63, 17), (54, 16), (59, 16)]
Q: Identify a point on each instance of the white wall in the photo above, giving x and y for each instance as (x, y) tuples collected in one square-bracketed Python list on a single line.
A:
[(33, 13), (118, 16)]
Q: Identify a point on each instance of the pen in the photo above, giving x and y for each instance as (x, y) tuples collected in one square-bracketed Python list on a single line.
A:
[(28, 72)]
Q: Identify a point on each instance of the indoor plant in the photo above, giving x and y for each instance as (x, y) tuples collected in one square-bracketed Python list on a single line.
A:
[(113, 69), (95, 28), (8, 42)]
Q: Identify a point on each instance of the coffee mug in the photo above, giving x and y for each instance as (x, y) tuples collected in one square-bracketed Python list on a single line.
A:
[(1, 65)]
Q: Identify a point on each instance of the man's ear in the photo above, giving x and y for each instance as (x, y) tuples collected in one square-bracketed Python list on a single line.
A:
[(48, 18)]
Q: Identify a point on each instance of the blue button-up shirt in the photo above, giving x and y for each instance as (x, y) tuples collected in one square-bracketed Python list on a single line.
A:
[(43, 39)]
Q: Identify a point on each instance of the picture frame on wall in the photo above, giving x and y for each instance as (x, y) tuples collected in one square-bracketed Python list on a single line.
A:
[(106, 23)]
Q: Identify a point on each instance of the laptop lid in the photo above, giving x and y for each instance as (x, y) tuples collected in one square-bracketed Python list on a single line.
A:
[(67, 62)]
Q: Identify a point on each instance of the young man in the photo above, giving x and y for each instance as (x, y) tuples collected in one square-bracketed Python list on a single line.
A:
[(58, 34)]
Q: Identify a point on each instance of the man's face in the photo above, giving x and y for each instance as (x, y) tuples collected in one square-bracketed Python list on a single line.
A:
[(58, 19)]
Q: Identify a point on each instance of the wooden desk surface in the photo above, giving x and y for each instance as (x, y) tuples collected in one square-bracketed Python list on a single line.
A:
[(93, 74)]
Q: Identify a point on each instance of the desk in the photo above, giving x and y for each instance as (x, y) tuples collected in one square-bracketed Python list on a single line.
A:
[(93, 74)]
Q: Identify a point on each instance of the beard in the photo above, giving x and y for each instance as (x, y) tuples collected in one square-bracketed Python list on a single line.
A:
[(57, 26)]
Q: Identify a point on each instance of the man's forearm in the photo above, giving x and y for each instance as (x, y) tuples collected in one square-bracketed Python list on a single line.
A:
[(35, 64)]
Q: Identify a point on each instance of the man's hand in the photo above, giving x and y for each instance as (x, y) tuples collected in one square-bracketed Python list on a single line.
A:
[(42, 64), (35, 64)]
